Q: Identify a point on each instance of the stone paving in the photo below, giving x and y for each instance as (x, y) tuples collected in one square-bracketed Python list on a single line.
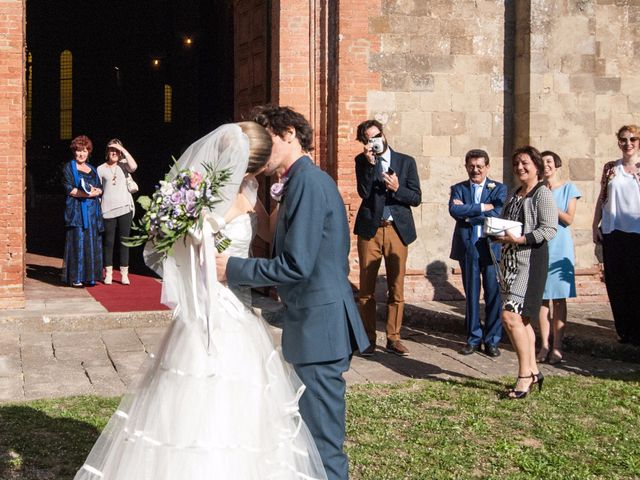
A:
[(46, 351), (61, 359)]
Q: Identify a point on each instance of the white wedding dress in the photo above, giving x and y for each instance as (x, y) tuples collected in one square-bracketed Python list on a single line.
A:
[(223, 408)]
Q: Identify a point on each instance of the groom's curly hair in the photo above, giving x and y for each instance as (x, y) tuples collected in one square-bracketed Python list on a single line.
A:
[(279, 119)]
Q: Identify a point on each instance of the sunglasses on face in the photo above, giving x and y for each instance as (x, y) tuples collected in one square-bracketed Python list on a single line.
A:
[(628, 140)]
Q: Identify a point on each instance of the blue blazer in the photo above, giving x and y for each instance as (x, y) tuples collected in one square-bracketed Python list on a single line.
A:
[(469, 215), (374, 196), (310, 268)]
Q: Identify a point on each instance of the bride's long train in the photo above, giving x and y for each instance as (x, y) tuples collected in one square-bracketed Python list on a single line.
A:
[(231, 414)]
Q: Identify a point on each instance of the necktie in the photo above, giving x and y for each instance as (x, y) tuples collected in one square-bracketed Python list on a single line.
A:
[(476, 229)]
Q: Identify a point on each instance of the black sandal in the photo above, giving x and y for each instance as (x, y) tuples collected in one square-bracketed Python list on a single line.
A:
[(514, 394)]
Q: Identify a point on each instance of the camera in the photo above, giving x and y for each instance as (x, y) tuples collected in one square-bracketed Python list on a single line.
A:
[(377, 145)]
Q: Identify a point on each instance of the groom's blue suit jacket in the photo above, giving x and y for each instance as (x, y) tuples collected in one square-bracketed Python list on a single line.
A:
[(310, 269)]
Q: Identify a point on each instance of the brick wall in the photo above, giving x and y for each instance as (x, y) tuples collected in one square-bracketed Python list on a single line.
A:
[(357, 44), (12, 182)]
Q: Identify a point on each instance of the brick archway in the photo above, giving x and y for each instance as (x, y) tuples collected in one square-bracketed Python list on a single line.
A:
[(317, 66)]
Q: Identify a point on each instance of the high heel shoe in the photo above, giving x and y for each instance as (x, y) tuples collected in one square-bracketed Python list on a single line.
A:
[(543, 355), (538, 379), (514, 394)]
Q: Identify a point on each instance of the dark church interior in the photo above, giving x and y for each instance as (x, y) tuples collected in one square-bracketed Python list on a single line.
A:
[(156, 74)]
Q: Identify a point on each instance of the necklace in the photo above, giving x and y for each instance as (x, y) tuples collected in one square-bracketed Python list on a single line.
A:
[(113, 173)]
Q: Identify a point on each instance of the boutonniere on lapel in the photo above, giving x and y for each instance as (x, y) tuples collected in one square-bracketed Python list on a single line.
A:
[(278, 188), (491, 186)]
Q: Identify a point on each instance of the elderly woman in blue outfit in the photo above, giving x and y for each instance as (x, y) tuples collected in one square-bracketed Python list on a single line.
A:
[(82, 217)]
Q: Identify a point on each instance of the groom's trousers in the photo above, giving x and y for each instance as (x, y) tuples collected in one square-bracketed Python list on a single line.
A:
[(322, 407)]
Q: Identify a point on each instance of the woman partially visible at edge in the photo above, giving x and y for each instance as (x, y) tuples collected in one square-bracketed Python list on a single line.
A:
[(524, 263), (117, 206), (82, 217), (616, 224), (561, 282)]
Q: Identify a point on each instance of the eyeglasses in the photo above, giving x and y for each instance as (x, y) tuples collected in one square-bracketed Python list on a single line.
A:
[(628, 140)]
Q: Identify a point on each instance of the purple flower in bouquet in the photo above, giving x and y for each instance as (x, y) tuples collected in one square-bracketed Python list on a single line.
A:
[(176, 197), (191, 201)]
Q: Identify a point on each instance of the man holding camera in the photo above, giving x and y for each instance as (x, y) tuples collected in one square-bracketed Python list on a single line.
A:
[(389, 186)]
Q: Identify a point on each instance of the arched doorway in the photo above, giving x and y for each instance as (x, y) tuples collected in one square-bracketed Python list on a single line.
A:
[(156, 75)]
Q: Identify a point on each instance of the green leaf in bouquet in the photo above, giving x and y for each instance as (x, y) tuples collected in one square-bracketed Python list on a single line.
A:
[(144, 201)]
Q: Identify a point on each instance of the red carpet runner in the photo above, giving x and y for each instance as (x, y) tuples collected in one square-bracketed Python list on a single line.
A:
[(142, 295)]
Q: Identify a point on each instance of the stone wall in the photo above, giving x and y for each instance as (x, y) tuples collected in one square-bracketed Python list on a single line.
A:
[(443, 92), (463, 74), (583, 85)]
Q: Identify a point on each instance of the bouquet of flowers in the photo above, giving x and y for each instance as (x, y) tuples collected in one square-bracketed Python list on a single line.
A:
[(176, 206)]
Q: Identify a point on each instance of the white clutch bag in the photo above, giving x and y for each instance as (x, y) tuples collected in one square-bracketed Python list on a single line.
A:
[(496, 227)]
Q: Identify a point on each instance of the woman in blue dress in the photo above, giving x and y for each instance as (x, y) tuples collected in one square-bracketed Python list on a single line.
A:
[(82, 217), (561, 275)]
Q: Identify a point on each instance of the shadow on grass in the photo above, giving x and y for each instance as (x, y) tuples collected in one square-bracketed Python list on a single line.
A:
[(36, 446)]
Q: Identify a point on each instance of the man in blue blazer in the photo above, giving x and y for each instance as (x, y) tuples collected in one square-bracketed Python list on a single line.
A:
[(389, 186), (470, 203), (310, 267)]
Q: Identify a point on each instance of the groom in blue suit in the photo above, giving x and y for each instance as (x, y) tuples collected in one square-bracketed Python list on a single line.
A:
[(322, 327), (470, 203)]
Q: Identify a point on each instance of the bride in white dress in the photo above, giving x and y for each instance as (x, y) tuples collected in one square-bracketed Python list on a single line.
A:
[(216, 401)]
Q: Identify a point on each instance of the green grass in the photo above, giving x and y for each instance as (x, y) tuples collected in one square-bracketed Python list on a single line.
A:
[(577, 428)]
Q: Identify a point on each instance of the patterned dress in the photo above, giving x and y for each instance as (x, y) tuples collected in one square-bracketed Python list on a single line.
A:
[(523, 268)]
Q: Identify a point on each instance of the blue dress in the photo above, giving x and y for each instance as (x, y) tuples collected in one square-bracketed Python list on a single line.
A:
[(561, 282), (84, 227)]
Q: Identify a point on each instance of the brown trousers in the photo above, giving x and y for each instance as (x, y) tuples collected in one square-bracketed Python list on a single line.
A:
[(385, 244)]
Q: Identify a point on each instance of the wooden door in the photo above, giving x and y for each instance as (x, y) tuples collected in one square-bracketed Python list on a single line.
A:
[(251, 55)]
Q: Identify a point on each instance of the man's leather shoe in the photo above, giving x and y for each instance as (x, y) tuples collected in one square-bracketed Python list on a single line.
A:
[(397, 347), (491, 351), (369, 351), (469, 349)]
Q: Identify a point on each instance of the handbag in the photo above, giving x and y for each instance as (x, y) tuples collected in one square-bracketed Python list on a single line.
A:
[(496, 227), (132, 186)]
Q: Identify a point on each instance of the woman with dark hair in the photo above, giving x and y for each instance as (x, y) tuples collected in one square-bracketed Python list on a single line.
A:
[(82, 217), (561, 283), (117, 206), (616, 224), (524, 263)]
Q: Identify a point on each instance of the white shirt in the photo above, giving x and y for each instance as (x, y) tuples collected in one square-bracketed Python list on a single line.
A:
[(622, 209), (476, 200)]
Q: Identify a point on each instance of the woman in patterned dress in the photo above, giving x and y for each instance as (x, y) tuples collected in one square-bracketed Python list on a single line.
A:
[(524, 263)]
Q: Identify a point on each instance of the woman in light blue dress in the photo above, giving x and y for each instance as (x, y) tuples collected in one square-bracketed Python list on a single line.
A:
[(561, 282)]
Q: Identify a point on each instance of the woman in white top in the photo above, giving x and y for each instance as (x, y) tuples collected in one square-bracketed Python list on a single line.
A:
[(616, 224), (117, 206)]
